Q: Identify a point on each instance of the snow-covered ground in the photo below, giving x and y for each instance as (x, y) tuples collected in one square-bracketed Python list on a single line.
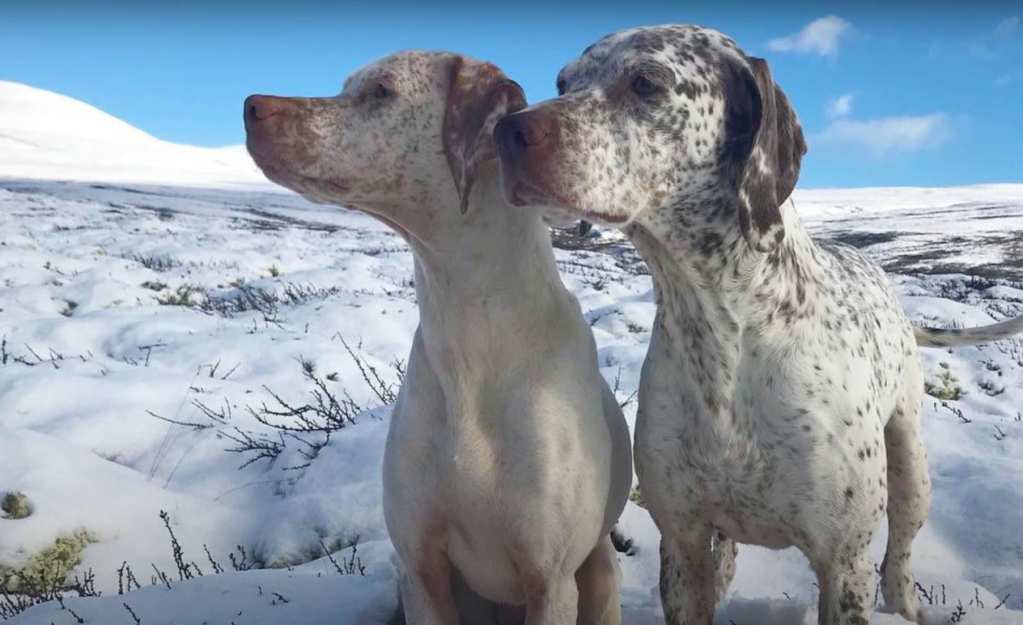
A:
[(157, 302)]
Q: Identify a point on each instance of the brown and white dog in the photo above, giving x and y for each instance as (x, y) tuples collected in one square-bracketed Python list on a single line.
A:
[(508, 459)]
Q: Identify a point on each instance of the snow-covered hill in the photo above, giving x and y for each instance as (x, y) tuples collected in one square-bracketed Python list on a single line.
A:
[(44, 134), (160, 304)]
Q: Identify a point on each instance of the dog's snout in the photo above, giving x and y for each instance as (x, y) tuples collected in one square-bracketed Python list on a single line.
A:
[(524, 131), (528, 143), (258, 108)]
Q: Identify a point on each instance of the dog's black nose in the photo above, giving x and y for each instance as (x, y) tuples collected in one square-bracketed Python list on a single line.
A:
[(521, 132)]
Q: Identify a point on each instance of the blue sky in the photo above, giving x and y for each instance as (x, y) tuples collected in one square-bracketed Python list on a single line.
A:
[(898, 93)]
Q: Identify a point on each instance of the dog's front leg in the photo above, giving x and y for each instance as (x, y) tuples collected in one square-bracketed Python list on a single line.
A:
[(724, 553), (846, 580), (598, 581), (687, 575), (426, 592), (552, 601)]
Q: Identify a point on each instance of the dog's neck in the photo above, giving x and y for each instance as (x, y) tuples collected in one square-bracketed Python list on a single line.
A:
[(487, 282), (709, 297)]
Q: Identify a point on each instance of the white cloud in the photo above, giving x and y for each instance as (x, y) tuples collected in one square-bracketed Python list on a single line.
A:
[(1009, 78), (1007, 26), (981, 50), (886, 136), (991, 45), (819, 37), (839, 107)]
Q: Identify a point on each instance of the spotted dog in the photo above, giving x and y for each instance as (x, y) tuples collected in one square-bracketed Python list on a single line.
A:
[(508, 458), (780, 398)]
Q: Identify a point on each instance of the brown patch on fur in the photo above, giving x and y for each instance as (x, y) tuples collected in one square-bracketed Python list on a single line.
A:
[(779, 143), (478, 95)]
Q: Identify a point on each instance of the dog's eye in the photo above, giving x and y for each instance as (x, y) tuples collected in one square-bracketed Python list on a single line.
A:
[(643, 87), (382, 92)]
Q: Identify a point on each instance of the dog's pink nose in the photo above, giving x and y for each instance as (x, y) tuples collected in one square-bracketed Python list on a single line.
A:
[(262, 107)]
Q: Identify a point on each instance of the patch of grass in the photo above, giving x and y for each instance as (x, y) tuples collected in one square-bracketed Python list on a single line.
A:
[(154, 285), (156, 262), (991, 388), (44, 577), (237, 283), (267, 302), (62, 228), (274, 271), (190, 569), (182, 296), (15, 505), (346, 566), (947, 388), (309, 424)]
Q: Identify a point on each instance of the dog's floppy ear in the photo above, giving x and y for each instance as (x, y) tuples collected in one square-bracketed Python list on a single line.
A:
[(768, 148), (479, 95)]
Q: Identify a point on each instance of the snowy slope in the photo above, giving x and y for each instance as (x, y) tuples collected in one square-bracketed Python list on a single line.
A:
[(848, 202), (152, 311), (45, 134)]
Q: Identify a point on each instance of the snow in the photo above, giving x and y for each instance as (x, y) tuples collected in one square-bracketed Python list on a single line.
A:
[(46, 135), (103, 229)]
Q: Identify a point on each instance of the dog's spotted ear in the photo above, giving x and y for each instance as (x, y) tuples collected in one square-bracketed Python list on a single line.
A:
[(768, 147), (479, 95)]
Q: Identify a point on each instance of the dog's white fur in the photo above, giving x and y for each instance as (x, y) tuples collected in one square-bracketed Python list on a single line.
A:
[(780, 400), (508, 459)]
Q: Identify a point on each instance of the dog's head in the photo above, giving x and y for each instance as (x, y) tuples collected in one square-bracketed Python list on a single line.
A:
[(407, 133), (658, 121)]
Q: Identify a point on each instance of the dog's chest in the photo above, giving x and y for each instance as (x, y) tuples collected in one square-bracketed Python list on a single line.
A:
[(497, 520), (510, 486), (713, 472), (796, 421)]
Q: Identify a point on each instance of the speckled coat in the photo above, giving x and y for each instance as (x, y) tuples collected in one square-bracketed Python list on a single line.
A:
[(779, 402)]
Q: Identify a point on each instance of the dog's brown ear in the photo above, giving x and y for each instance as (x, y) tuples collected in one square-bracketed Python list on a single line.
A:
[(769, 164), (479, 95)]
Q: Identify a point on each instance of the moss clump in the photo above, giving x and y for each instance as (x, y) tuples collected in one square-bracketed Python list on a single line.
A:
[(15, 505), (636, 497), (49, 568), (947, 388)]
